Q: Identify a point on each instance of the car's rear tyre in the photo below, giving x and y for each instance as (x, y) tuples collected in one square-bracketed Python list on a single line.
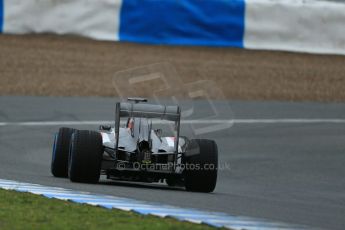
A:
[(85, 157), (170, 182), (59, 164), (201, 165)]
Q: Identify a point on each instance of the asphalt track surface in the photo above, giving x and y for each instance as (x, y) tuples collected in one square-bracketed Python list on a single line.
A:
[(291, 172)]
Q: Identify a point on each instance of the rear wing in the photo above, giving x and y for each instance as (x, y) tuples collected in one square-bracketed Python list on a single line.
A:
[(170, 113)]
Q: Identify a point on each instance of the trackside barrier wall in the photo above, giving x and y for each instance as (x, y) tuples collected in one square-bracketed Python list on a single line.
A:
[(294, 25), (97, 19)]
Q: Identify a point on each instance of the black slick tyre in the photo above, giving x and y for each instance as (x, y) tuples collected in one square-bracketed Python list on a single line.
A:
[(85, 158), (59, 163), (201, 165)]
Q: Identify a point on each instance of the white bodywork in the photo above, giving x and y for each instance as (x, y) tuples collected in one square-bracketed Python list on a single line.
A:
[(160, 145)]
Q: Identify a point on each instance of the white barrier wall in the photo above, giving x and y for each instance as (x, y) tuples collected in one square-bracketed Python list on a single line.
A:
[(295, 25), (98, 19)]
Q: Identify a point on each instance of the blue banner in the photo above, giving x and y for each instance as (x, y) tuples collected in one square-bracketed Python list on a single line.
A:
[(1, 15), (185, 22)]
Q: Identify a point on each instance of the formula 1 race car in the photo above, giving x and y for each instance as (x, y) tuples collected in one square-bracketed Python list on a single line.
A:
[(136, 151)]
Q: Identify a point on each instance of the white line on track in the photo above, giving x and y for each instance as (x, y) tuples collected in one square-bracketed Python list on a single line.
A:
[(201, 121)]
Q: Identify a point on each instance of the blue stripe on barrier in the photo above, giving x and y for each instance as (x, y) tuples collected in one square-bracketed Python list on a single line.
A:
[(187, 22), (1, 15)]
